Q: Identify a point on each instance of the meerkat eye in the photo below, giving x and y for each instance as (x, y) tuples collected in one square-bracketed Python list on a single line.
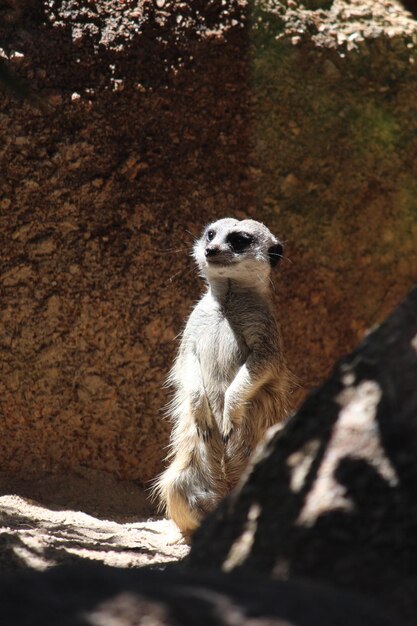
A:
[(239, 242), (210, 235)]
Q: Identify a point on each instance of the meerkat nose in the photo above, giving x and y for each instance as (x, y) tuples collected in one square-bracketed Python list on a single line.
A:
[(211, 251)]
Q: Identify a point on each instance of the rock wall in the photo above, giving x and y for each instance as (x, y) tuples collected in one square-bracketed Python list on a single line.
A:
[(146, 120), (336, 149)]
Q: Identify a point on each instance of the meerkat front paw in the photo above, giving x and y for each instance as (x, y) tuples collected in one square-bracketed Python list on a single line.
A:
[(204, 425), (202, 417), (226, 430), (204, 432), (232, 417)]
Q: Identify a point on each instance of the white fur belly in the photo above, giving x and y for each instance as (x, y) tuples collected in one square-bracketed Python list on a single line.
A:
[(220, 352)]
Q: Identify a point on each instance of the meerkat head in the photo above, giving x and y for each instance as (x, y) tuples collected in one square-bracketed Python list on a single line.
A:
[(242, 250)]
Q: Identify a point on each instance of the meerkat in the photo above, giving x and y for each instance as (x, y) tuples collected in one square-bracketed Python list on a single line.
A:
[(230, 378)]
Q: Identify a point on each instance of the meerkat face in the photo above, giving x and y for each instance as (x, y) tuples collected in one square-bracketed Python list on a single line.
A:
[(242, 250)]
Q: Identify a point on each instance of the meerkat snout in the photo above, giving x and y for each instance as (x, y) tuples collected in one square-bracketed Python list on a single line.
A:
[(211, 251)]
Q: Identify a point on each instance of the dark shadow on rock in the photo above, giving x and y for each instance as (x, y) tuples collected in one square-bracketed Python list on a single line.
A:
[(410, 5), (94, 594), (10, 561), (350, 542)]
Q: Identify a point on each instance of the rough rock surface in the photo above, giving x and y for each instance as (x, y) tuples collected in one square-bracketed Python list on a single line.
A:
[(99, 596), (332, 496), (139, 138), (148, 119), (36, 537)]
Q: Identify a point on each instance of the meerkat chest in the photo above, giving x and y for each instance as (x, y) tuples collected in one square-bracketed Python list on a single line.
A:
[(220, 346)]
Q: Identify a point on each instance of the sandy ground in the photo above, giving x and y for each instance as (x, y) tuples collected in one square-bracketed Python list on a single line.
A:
[(40, 532)]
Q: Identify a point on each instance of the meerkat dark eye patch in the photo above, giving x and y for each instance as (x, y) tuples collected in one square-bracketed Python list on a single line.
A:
[(239, 242), (275, 254), (210, 235)]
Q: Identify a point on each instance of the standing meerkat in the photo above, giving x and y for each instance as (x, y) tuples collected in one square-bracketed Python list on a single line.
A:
[(230, 377)]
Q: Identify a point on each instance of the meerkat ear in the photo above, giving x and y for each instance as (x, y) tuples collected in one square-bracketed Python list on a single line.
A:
[(275, 254)]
